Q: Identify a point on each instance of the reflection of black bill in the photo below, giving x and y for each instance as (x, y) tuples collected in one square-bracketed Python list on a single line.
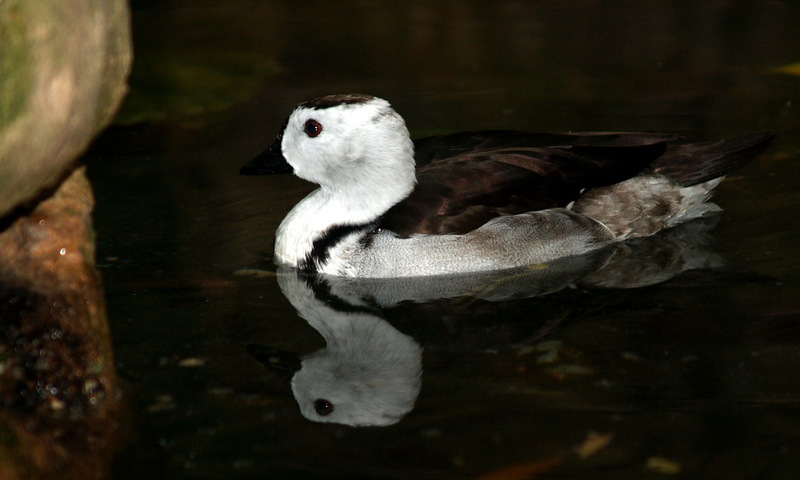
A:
[(282, 363)]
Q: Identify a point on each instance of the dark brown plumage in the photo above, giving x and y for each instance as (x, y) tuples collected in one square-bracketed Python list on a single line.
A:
[(465, 179)]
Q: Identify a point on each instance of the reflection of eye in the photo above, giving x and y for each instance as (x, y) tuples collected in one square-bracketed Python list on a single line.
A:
[(323, 407), (312, 128)]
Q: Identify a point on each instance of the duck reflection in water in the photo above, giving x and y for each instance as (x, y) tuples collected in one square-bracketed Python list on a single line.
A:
[(369, 373)]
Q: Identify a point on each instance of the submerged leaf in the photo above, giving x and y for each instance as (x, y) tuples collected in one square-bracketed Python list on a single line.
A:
[(663, 465), (593, 443), (562, 372), (523, 471), (790, 69)]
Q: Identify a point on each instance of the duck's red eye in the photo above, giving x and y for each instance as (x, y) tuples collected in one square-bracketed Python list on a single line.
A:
[(323, 407), (312, 128)]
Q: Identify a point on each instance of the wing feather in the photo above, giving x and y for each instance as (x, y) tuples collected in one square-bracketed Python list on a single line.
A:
[(465, 179)]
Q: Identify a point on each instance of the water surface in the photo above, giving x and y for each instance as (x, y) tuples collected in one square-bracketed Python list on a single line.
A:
[(694, 377)]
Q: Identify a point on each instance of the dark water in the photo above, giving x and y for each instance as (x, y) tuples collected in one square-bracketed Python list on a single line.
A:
[(692, 377)]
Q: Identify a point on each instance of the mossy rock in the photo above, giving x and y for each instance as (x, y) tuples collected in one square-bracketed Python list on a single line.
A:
[(63, 67)]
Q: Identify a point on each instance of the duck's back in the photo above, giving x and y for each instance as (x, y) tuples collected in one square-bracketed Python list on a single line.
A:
[(465, 179)]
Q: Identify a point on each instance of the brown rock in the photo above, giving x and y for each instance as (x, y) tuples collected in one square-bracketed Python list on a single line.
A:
[(63, 67)]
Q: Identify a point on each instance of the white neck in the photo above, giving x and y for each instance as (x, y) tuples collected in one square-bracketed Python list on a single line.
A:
[(328, 207)]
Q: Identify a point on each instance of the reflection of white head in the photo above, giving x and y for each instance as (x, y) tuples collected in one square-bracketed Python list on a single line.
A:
[(368, 374)]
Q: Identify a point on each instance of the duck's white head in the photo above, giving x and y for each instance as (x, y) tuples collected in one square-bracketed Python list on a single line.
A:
[(349, 143)]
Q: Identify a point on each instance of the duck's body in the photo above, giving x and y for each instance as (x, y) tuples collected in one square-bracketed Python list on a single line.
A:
[(476, 201)]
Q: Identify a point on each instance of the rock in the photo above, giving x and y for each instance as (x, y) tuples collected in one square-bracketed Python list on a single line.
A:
[(63, 67), (58, 386)]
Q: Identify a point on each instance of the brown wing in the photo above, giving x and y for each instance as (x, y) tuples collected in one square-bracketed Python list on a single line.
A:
[(695, 163), (465, 179)]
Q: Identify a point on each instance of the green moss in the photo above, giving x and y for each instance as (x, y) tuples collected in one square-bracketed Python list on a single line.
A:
[(15, 71), (183, 88)]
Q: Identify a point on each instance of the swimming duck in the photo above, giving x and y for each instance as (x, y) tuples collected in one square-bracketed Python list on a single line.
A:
[(476, 201)]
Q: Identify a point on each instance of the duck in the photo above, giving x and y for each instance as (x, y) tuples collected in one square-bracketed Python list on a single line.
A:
[(477, 201)]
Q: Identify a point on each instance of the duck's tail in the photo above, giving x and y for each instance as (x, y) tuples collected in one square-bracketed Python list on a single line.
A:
[(673, 190), (694, 163)]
